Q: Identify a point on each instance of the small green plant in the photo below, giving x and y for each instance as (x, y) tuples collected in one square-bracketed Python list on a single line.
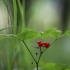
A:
[(29, 34)]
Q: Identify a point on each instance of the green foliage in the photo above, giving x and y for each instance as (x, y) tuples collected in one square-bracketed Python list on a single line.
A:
[(49, 66), (48, 32), (28, 34), (54, 66), (52, 32), (62, 67), (15, 16), (67, 33), (21, 14), (56, 33), (31, 34)]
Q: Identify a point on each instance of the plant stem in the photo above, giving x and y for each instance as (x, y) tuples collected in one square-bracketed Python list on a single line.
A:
[(39, 59), (15, 16), (54, 41), (37, 65), (41, 52), (50, 45), (37, 62), (40, 55), (29, 51)]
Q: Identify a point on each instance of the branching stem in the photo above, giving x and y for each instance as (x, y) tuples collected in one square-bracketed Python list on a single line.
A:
[(41, 52), (29, 51), (50, 45)]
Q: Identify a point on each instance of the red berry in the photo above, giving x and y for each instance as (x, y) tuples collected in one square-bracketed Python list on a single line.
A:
[(40, 44), (46, 44)]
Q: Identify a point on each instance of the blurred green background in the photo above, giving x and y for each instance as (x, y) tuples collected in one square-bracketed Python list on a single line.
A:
[(15, 15)]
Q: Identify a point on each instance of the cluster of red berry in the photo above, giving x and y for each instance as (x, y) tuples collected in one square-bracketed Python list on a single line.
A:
[(43, 44)]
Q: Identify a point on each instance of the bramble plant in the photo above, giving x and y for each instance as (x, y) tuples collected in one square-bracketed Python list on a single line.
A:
[(42, 46)]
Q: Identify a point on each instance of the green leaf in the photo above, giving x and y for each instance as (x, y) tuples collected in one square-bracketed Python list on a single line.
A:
[(28, 34), (49, 66), (48, 32), (56, 33), (54, 66), (62, 67), (67, 33)]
